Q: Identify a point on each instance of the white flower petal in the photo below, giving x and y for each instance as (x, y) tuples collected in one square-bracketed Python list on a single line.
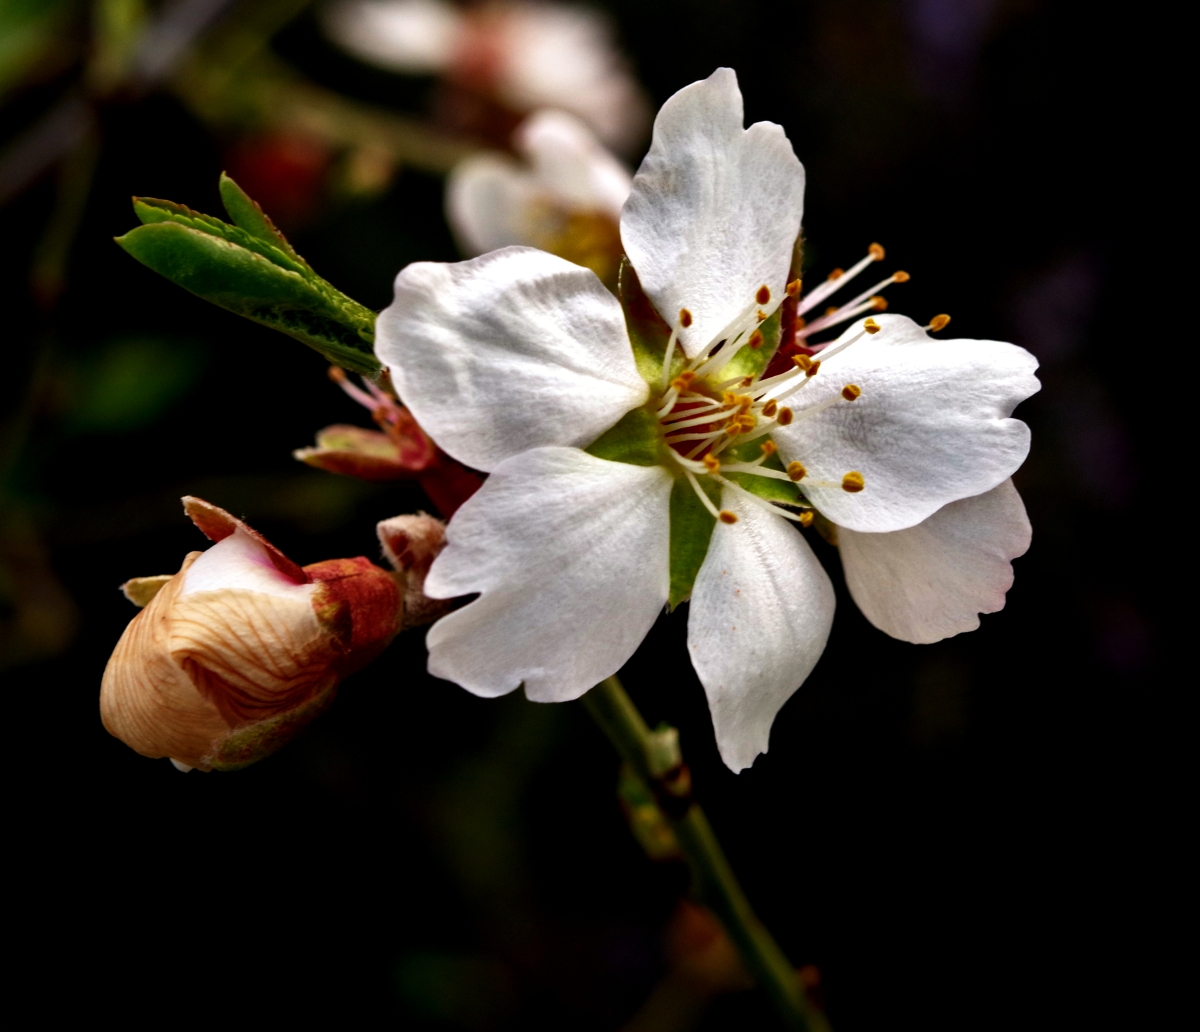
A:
[(488, 202), (931, 581), (571, 165), (714, 211), (570, 555), (760, 615), (513, 350), (239, 563), (415, 37), (932, 424)]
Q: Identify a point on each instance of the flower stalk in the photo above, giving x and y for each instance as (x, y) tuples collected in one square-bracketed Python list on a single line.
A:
[(655, 757)]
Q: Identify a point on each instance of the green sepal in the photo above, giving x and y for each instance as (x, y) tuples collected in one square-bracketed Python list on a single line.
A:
[(253, 279), (770, 488), (691, 528), (636, 439), (648, 333), (752, 361)]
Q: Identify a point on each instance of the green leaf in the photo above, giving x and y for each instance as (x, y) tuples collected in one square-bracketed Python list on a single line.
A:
[(252, 270), (636, 439), (648, 333), (249, 283), (691, 528), (247, 215), (152, 210)]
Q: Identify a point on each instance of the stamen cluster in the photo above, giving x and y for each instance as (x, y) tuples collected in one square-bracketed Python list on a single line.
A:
[(701, 419)]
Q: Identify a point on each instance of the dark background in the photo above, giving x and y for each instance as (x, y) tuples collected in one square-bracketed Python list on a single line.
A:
[(945, 831)]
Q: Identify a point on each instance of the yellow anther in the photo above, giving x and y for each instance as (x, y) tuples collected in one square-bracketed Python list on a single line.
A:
[(796, 471), (762, 316), (769, 409), (851, 391), (871, 326), (801, 323), (729, 398), (712, 463), (769, 447), (338, 375), (831, 310), (725, 516), (806, 518), (813, 369), (901, 277), (744, 403), (879, 303), (853, 482), (680, 384), (876, 252), (763, 295), (802, 360), (747, 381), (685, 318), (785, 416), (837, 274), (938, 322), (793, 288), (756, 340)]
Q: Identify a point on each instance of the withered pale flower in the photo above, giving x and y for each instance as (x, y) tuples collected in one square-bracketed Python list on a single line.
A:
[(399, 450), (520, 55), (241, 648), (564, 196)]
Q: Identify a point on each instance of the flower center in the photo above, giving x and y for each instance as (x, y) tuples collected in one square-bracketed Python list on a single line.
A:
[(703, 418)]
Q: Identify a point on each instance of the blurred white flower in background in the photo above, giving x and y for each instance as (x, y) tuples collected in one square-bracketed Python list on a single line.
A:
[(524, 56), (564, 197)]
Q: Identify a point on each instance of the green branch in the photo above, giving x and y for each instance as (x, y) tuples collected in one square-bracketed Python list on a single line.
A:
[(655, 757)]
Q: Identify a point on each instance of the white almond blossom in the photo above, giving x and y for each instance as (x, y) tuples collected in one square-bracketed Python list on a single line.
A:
[(564, 197), (628, 471), (529, 55)]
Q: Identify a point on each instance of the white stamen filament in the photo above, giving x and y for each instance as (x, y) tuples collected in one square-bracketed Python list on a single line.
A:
[(762, 503), (710, 415), (754, 469), (818, 295), (700, 491), (739, 418), (840, 316), (666, 369), (677, 438)]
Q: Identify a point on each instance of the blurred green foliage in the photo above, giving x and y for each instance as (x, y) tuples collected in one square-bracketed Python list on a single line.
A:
[(131, 381), (29, 31)]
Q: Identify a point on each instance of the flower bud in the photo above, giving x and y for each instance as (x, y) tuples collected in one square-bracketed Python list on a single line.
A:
[(410, 544), (241, 648)]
